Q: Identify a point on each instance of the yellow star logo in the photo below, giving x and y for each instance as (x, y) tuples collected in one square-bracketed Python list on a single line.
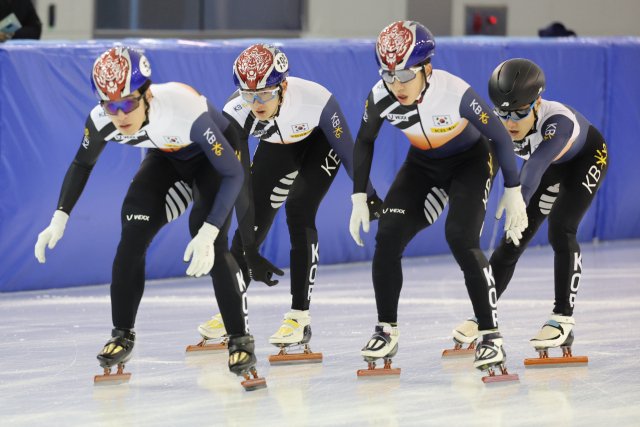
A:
[(602, 156), (484, 118), (338, 131), (217, 148)]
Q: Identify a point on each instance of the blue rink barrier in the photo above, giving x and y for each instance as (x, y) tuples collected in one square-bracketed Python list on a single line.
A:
[(45, 97)]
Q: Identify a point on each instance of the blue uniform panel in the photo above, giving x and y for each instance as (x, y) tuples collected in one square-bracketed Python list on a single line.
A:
[(45, 96)]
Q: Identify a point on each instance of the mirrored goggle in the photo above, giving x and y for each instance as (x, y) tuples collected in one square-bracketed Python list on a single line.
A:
[(262, 96), (127, 105), (403, 76), (516, 115)]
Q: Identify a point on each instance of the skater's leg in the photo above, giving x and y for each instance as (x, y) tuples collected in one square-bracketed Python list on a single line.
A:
[(273, 171), (143, 215), (506, 255), (580, 183), (307, 191), (470, 185), (228, 279), (405, 213)]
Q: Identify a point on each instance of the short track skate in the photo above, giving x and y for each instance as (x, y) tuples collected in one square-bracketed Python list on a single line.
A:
[(489, 356), (303, 354), (464, 334), (386, 372), (459, 351), (293, 353), (385, 337), (209, 346), (117, 351), (242, 362), (567, 359)]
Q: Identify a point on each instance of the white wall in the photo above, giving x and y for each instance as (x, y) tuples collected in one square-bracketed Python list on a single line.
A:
[(74, 19), (585, 17), (352, 18)]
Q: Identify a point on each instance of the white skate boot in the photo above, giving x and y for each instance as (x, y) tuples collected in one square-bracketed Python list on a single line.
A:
[(382, 344), (294, 335), (214, 336), (557, 332), (464, 334), (489, 354)]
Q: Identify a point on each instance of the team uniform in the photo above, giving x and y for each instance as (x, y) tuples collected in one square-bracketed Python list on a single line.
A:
[(566, 160), (297, 159), (190, 157), (450, 161)]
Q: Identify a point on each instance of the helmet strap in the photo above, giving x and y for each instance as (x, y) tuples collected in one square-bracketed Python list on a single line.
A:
[(426, 86), (280, 102)]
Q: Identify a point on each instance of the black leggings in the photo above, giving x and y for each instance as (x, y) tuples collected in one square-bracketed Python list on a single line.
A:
[(565, 193), (415, 200), (301, 174), (160, 192)]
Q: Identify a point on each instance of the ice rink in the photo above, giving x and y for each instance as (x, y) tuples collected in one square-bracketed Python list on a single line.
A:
[(50, 340)]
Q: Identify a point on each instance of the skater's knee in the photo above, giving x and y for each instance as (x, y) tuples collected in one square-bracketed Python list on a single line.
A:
[(459, 238), (134, 242), (299, 217), (561, 238)]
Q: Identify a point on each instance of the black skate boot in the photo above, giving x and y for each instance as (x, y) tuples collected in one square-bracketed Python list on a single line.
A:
[(117, 351), (242, 361)]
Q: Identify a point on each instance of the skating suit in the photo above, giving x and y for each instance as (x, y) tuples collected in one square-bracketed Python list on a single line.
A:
[(566, 162), (451, 160), (297, 159), (193, 155)]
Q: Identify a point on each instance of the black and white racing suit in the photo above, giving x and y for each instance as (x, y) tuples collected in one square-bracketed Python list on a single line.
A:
[(451, 160), (193, 155), (297, 159), (566, 160)]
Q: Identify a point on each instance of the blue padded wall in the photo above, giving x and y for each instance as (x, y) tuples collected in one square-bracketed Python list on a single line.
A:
[(45, 96)]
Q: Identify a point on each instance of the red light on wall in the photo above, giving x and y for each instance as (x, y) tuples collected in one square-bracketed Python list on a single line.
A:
[(492, 20)]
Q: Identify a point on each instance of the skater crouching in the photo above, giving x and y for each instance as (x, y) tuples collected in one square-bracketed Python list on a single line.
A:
[(191, 156), (451, 160), (566, 160)]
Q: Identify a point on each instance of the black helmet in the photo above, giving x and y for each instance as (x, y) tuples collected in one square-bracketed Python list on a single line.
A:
[(515, 83)]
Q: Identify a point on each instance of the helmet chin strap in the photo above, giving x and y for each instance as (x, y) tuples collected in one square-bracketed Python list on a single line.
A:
[(426, 86), (280, 102), (533, 127)]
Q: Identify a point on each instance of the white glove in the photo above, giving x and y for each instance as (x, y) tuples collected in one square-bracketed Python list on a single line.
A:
[(513, 203), (202, 249), (514, 235), (359, 214), (51, 234)]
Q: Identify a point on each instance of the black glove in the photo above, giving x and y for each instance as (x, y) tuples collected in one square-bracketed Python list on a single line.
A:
[(374, 203), (260, 268)]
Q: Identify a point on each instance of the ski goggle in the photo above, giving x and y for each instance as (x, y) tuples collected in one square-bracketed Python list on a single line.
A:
[(403, 76), (127, 105), (262, 96), (516, 115)]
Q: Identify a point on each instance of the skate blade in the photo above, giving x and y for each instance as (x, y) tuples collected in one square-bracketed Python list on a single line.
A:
[(379, 373), (295, 358), (254, 384), (465, 352), (502, 379), (209, 348), (556, 362), (111, 379)]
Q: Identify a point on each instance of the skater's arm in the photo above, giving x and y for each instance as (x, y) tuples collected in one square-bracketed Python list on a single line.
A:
[(206, 133), (245, 209), (336, 129), (78, 173), (474, 109), (557, 131), (363, 149)]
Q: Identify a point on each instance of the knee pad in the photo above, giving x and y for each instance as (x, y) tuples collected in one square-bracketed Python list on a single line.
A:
[(298, 220), (562, 240), (133, 243), (459, 239)]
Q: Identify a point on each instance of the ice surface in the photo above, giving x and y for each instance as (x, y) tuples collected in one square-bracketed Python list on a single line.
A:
[(49, 341)]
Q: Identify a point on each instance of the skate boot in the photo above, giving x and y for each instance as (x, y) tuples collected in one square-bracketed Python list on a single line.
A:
[(557, 332), (242, 361), (464, 334), (489, 354), (117, 351), (293, 340), (383, 344), (214, 337)]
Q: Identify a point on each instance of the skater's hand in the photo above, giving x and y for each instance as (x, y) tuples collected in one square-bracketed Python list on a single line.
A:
[(374, 203), (514, 235), (202, 249), (260, 268), (513, 203), (359, 215), (51, 234)]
